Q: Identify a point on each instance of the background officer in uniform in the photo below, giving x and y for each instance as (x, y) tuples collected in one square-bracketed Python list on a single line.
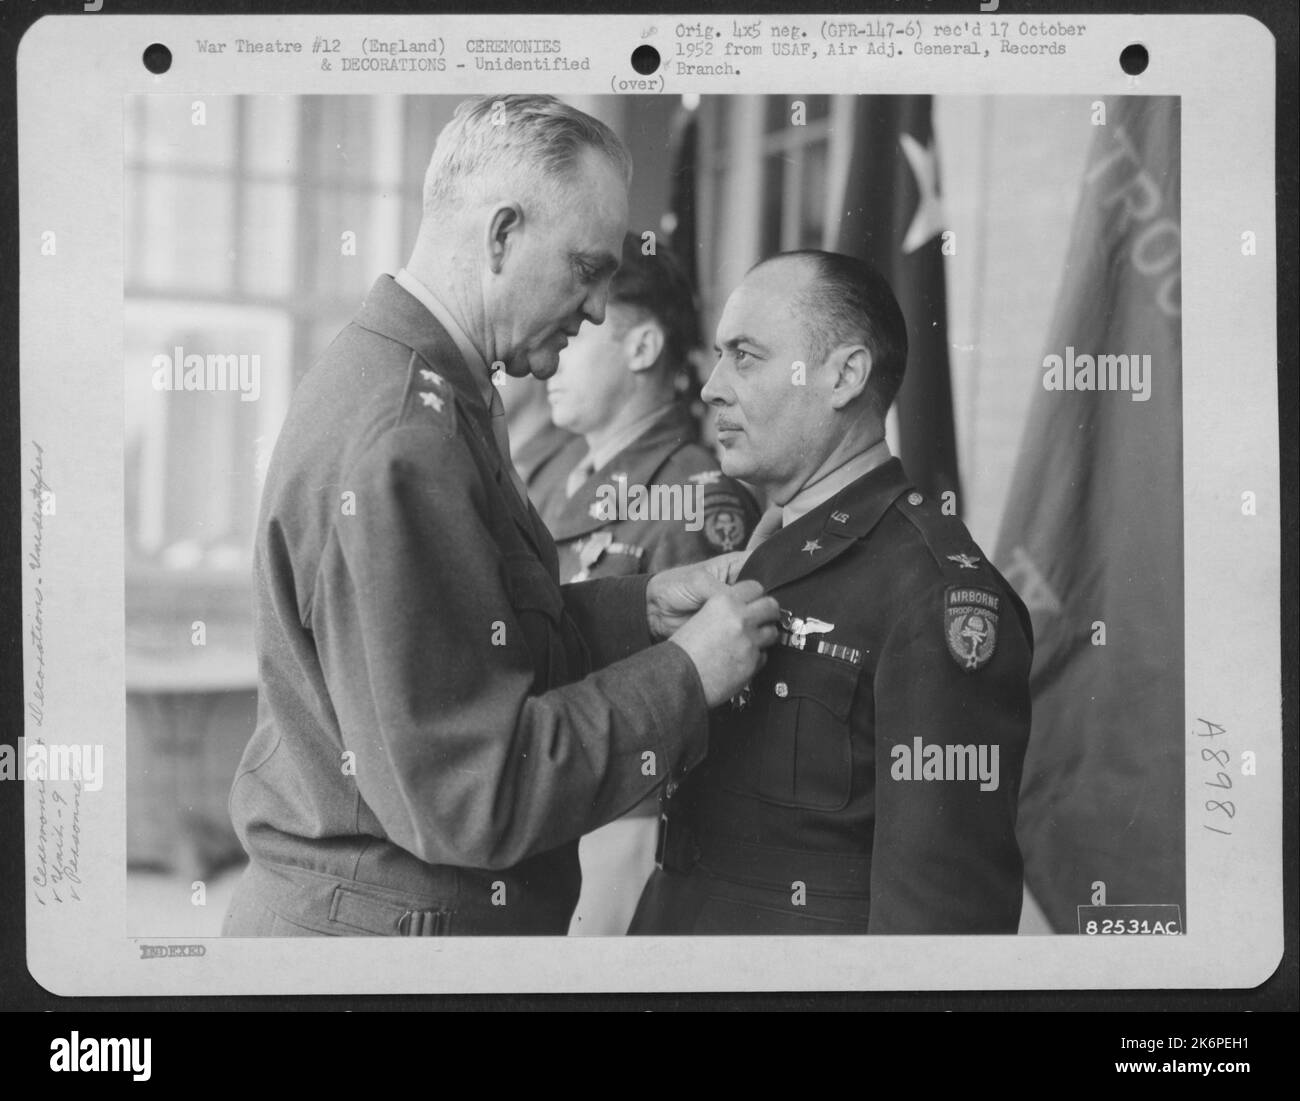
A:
[(438, 720), (616, 389), (867, 779)]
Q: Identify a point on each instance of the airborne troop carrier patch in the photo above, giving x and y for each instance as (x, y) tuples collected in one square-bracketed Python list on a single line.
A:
[(971, 625)]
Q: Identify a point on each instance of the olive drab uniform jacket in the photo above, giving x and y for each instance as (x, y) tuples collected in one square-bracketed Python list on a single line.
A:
[(619, 523), (430, 744), (867, 779)]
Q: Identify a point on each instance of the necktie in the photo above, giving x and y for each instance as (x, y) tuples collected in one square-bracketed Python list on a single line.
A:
[(501, 433), (578, 476), (768, 525)]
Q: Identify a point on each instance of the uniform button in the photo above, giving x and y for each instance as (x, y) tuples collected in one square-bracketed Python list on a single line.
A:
[(782, 689), (914, 498)]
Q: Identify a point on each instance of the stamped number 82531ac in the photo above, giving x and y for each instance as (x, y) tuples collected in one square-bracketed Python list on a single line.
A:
[(1131, 927)]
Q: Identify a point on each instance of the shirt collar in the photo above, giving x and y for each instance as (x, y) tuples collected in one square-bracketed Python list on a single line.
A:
[(625, 438), (830, 484), (473, 358)]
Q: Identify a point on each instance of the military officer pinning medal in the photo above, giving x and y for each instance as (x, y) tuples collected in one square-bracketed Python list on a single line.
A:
[(439, 720)]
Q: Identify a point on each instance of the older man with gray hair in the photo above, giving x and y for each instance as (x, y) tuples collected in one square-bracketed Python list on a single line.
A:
[(439, 719)]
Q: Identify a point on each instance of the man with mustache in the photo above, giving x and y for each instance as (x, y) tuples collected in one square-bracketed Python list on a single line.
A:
[(866, 780), (439, 721)]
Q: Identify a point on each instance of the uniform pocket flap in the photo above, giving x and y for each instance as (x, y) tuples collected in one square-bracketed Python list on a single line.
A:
[(829, 681)]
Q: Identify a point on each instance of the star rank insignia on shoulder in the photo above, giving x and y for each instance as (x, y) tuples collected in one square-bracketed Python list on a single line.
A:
[(971, 625), (431, 401), (433, 377)]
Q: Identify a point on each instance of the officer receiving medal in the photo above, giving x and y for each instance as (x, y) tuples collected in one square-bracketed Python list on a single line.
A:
[(865, 780)]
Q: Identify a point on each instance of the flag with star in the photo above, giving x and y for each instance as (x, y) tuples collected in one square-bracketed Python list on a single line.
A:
[(893, 219), (1092, 539)]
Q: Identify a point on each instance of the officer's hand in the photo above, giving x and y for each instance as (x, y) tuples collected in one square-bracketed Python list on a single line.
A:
[(725, 567), (727, 637), (673, 596)]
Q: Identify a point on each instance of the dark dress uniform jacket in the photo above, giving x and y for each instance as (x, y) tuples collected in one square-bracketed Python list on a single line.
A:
[(841, 793), (593, 543), (428, 750)]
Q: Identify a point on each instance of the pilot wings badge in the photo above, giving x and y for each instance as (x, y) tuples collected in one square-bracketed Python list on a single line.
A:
[(794, 630)]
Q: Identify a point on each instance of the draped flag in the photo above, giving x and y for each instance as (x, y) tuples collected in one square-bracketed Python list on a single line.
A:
[(893, 219), (1092, 538)]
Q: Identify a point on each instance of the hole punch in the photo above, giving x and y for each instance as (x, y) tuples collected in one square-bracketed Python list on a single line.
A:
[(1133, 59), (645, 60), (157, 58)]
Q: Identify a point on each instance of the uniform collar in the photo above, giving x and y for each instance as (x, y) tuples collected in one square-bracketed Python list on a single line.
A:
[(540, 448), (469, 353), (639, 462), (395, 313), (826, 531), (830, 484), (610, 449)]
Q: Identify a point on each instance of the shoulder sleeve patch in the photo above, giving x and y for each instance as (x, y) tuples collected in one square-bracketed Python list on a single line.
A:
[(729, 513), (970, 625), (725, 528)]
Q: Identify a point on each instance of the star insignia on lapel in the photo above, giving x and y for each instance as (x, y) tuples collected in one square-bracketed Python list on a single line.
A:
[(706, 477), (431, 400), (431, 376), (965, 561), (811, 547)]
